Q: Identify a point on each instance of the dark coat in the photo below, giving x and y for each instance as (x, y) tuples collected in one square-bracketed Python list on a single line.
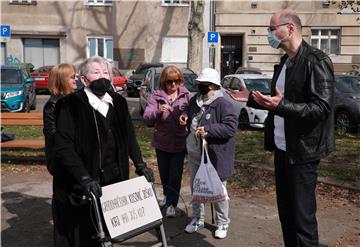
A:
[(307, 106), (220, 121), (49, 130), (77, 145)]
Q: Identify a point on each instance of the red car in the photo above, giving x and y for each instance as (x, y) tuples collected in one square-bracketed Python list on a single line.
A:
[(119, 80), (41, 77)]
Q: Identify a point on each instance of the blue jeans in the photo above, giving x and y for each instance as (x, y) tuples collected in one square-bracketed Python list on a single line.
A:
[(171, 169), (296, 200)]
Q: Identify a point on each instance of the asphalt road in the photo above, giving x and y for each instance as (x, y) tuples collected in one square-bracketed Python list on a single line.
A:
[(133, 104)]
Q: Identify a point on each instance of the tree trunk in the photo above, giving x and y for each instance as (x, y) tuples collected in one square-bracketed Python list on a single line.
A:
[(196, 35)]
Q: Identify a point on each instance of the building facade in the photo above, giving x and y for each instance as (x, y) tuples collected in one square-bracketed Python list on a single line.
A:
[(242, 26), (130, 32)]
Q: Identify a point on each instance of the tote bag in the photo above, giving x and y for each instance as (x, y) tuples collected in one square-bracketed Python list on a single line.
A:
[(207, 186)]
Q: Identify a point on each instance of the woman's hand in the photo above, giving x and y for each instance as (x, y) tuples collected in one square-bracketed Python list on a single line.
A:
[(164, 108), (200, 131), (183, 119)]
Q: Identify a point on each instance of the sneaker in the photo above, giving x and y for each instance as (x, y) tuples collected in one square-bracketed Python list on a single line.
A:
[(170, 211), (221, 231), (162, 202), (194, 226)]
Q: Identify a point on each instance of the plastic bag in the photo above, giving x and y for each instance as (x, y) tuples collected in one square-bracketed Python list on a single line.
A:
[(207, 186)]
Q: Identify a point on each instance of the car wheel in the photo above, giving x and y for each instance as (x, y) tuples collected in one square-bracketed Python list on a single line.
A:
[(244, 123), (343, 121), (26, 107), (33, 106)]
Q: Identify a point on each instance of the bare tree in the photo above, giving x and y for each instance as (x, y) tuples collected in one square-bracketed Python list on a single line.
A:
[(196, 35)]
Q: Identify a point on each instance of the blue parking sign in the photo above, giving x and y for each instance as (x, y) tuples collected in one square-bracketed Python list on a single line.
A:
[(213, 37), (5, 31)]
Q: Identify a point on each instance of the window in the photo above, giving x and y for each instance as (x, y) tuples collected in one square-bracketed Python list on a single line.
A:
[(174, 49), (32, 2), (99, 2), (41, 52), (100, 46), (175, 2), (326, 40)]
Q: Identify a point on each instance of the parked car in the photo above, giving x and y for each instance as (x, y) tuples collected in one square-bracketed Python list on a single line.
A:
[(151, 83), (17, 90), (41, 77), (248, 70), (354, 72), (236, 89), (119, 80), (347, 102), (136, 79)]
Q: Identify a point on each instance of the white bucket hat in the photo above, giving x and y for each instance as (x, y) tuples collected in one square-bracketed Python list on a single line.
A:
[(209, 75)]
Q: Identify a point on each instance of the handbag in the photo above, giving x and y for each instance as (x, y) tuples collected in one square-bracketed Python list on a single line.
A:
[(207, 186)]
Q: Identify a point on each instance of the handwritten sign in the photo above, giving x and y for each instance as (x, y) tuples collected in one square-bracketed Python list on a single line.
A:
[(129, 205)]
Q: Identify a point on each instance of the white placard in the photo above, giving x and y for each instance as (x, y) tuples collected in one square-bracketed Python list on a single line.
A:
[(129, 205)]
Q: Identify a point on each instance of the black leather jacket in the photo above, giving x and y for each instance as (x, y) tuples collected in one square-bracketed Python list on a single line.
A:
[(307, 106), (50, 128)]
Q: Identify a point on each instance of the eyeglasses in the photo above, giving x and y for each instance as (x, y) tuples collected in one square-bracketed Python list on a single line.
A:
[(177, 81), (273, 28)]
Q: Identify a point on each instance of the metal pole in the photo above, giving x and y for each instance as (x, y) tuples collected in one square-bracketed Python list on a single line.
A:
[(212, 29)]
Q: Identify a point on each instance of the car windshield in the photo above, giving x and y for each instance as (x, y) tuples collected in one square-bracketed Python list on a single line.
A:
[(261, 84), (348, 84), (10, 76), (43, 70)]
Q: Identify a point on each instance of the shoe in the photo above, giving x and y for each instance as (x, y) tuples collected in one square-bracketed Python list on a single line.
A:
[(194, 226), (170, 211), (221, 231), (162, 202)]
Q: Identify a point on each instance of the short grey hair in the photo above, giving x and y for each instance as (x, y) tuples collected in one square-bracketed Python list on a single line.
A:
[(84, 67), (290, 15)]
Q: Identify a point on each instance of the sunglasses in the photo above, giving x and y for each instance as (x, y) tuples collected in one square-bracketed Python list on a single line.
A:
[(177, 81)]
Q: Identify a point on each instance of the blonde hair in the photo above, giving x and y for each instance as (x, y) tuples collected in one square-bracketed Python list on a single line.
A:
[(170, 69), (59, 79)]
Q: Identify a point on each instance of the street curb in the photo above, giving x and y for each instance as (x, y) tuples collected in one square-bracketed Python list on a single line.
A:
[(324, 180)]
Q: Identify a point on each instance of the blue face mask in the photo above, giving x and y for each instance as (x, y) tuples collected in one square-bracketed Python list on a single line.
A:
[(273, 41)]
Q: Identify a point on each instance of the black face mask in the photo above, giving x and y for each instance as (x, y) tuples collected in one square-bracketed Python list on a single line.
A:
[(203, 89), (100, 86)]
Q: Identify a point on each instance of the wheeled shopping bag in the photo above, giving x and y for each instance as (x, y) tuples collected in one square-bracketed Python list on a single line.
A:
[(127, 209)]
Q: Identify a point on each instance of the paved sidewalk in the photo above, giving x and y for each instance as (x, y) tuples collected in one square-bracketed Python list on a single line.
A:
[(26, 218)]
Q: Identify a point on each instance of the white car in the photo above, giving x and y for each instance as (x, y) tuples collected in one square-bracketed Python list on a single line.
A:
[(236, 88)]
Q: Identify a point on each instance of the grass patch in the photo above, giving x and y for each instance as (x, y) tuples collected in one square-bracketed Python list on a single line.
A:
[(344, 164)]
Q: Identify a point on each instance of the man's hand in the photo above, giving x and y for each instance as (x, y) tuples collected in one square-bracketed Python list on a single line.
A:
[(268, 101)]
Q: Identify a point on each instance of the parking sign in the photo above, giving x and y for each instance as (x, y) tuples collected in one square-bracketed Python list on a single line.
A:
[(213, 39), (5, 33)]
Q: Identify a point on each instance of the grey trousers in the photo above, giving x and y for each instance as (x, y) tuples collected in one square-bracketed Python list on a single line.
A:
[(198, 209)]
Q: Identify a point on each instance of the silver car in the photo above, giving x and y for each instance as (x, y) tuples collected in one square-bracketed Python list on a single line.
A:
[(236, 88)]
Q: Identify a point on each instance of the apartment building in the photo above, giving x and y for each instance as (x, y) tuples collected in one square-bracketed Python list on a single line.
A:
[(130, 32)]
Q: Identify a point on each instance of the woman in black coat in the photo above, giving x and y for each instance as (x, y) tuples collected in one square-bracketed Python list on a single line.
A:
[(94, 140)]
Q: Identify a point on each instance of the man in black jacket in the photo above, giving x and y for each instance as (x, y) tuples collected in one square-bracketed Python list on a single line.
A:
[(299, 126), (94, 140)]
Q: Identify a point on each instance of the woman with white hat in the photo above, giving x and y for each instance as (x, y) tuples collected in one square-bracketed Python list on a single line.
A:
[(210, 115)]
